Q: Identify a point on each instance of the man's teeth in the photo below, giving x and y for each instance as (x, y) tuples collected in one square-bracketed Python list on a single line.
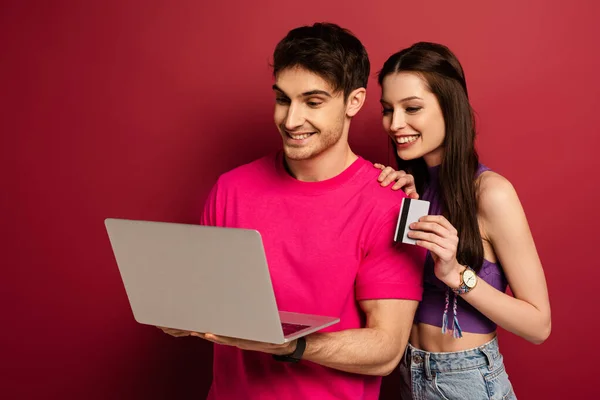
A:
[(300, 137), (407, 139)]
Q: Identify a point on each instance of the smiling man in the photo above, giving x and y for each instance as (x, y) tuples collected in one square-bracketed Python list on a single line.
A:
[(327, 227)]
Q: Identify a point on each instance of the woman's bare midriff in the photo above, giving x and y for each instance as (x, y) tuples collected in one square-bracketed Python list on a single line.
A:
[(430, 338)]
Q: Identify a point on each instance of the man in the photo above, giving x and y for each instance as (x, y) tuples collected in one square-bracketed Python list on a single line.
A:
[(327, 227)]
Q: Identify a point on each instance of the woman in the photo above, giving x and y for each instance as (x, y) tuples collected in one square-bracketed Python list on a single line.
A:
[(477, 236)]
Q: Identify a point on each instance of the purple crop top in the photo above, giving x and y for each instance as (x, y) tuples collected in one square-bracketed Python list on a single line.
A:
[(436, 294)]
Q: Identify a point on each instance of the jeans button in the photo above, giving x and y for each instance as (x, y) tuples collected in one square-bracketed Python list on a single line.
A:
[(417, 359)]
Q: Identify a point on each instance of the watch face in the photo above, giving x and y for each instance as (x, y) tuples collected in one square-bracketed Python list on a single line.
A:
[(469, 278)]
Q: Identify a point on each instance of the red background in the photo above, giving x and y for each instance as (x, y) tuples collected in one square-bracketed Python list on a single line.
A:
[(132, 109)]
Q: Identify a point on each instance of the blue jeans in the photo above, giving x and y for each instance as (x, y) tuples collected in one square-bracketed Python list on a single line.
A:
[(474, 374)]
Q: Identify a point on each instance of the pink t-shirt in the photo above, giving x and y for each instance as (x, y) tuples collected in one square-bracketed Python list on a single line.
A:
[(328, 244)]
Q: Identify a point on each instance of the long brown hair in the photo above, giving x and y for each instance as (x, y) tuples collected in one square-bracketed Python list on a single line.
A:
[(457, 174)]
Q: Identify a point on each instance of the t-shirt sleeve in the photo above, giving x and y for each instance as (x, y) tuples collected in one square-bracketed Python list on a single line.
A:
[(212, 212), (389, 270)]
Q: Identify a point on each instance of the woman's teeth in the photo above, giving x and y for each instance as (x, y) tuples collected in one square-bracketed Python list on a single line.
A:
[(407, 139)]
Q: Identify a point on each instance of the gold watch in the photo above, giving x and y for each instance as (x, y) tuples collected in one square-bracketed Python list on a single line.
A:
[(468, 280)]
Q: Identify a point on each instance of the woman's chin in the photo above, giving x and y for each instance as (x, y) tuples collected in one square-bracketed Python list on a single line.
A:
[(408, 155)]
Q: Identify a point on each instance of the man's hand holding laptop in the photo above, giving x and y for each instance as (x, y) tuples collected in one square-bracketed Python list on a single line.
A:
[(269, 348)]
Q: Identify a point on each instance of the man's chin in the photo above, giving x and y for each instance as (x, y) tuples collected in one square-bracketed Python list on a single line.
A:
[(296, 154)]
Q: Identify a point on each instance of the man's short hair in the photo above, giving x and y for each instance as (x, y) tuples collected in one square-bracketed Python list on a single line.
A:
[(327, 50)]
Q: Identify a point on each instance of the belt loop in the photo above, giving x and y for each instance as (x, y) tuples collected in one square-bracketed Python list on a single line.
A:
[(427, 366), (489, 356)]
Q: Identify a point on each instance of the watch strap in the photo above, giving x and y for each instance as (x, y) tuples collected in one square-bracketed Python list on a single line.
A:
[(463, 288), (296, 355)]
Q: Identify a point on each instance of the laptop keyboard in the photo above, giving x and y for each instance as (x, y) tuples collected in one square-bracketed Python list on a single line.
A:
[(289, 329)]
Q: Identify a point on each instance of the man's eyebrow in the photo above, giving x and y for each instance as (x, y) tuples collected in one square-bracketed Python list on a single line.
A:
[(305, 94), (315, 92)]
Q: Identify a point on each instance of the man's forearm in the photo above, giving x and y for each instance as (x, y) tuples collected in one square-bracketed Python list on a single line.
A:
[(363, 351)]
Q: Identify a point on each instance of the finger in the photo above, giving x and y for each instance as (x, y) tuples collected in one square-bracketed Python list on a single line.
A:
[(171, 331), (410, 186), (176, 334), (409, 189), (393, 177), (207, 338), (405, 181), (390, 175), (211, 339), (401, 183), (433, 248), (431, 227), (396, 177), (440, 219), (221, 339), (432, 238), (385, 173), (379, 166), (244, 344)]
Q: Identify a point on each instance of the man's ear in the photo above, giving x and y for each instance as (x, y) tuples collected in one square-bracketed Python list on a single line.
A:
[(355, 101)]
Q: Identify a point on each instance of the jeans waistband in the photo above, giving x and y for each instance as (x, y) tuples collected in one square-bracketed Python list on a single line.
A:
[(486, 355)]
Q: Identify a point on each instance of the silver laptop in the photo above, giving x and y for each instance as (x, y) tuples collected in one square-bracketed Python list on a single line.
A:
[(203, 279)]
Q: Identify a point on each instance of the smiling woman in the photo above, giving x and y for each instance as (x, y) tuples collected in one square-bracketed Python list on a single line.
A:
[(477, 236), (414, 121)]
